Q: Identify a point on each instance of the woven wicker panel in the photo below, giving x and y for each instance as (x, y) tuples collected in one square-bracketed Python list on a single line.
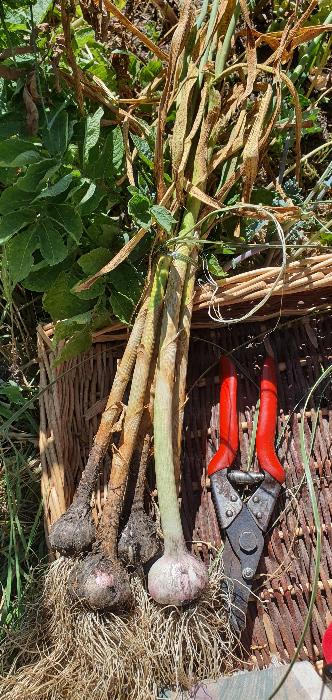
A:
[(70, 411), (67, 424), (304, 286), (276, 618)]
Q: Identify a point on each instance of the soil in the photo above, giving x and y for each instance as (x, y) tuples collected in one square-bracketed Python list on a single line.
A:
[(74, 532), (100, 583), (138, 542)]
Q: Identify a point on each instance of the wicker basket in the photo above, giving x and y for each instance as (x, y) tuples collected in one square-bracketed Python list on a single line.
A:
[(74, 396)]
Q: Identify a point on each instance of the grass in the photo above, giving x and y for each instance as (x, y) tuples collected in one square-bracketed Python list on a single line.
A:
[(22, 543)]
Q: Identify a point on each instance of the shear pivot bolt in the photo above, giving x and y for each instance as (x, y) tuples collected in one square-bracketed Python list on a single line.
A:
[(229, 513), (259, 515), (248, 542), (256, 499), (233, 497), (248, 573)]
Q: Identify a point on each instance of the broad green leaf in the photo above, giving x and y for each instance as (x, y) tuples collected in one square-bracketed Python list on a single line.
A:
[(89, 193), (94, 260), (92, 320), (68, 218), (7, 175), (214, 266), (16, 16), (261, 195), (72, 154), (12, 124), (95, 292), (52, 246), (40, 10), (92, 132), (113, 198), (90, 263), (56, 137), (84, 36), (163, 217), (139, 209), (95, 59), (5, 411), (36, 173), (59, 300), (114, 151), (42, 276), (326, 238), (19, 252), (83, 191), (110, 163), (105, 230), (76, 192), (143, 149), (12, 223), (122, 307), (58, 187), (15, 153), (13, 198), (100, 318), (79, 342), (86, 196), (66, 328), (128, 281), (150, 71), (92, 204), (12, 391)]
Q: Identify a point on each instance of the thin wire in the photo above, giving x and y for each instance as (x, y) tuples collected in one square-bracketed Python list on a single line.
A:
[(214, 311)]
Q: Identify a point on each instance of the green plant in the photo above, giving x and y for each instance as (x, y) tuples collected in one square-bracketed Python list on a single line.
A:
[(21, 541)]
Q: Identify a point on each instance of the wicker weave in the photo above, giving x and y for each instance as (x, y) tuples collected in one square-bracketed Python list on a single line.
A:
[(286, 568), (305, 285), (71, 407)]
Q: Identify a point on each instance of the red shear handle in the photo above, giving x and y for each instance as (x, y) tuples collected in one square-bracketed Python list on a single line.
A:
[(266, 428), (327, 645), (229, 428)]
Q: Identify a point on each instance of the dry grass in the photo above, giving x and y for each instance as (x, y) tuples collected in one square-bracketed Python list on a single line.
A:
[(65, 652)]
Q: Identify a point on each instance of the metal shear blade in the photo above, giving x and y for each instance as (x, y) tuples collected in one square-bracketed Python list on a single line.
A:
[(242, 551), (244, 523)]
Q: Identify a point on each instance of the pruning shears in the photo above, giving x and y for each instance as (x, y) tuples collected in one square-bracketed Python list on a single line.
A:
[(245, 523)]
